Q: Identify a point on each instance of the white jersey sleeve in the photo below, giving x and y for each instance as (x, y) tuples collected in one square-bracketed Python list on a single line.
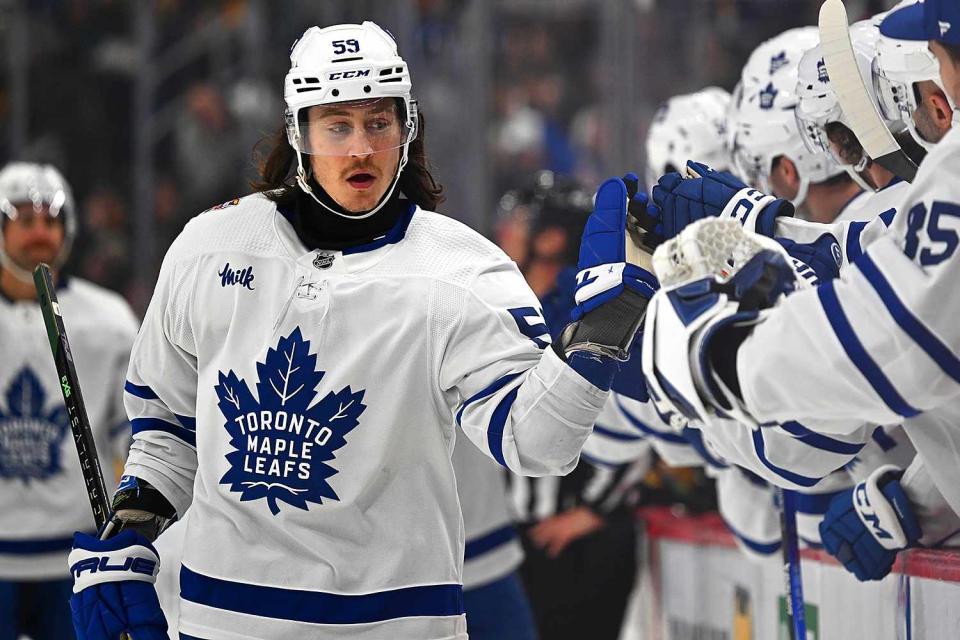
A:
[(879, 343), (520, 403), (161, 387), (862, 222)]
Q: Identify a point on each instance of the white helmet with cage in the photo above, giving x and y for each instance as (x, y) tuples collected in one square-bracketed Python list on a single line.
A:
[(688, 127), (765, 127), (45, 189), (818, 104), (355, 63)]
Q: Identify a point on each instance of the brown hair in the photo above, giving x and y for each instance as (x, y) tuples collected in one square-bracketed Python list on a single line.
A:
[(279, 165)]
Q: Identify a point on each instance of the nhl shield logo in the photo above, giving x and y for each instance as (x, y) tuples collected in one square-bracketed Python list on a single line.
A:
[(323, 260)]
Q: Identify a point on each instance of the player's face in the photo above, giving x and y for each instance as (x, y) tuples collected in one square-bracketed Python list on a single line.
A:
[(32, 237), (949, 73), (361, 146)]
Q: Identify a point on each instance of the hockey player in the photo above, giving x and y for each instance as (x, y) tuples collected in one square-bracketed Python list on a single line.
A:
[(885, 330), (692, 125), (306, 360), (42, 499), (768, 150)]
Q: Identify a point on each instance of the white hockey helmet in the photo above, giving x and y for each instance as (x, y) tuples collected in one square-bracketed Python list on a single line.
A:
[(347, 63), (818, 103), (688, 127), (44, 188), (765, 127), (897, 67)]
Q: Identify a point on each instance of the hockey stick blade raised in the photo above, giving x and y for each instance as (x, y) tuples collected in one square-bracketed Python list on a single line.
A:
[(848, 84), (72, 398)]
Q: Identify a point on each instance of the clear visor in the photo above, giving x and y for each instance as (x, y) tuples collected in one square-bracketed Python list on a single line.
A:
[(896, 98), (812, 132), (844, 147), (354, 128)]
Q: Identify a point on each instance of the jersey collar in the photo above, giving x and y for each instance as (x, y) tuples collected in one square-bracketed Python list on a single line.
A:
[(350, 259)]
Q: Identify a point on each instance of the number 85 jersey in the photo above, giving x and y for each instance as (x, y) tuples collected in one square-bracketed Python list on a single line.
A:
[(304, 405)]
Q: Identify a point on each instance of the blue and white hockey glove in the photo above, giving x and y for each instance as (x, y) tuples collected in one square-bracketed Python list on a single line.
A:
[(708, 193), (717, 280), (818, 261), (604, 269), (866, 526), (614, 283), (113, 588)]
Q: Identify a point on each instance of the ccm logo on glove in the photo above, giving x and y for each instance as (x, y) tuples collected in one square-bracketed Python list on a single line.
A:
[(869, 516)]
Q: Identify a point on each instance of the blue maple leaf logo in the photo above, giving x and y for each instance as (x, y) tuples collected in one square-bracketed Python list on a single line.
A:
[(778, 62), (767, 95), (30, 436), (283, 441)]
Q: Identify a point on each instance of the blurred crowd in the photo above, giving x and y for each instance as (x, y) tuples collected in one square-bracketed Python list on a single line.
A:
[(210, 73)]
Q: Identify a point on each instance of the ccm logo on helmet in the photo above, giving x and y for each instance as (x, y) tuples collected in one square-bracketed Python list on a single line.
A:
[(346, 75)]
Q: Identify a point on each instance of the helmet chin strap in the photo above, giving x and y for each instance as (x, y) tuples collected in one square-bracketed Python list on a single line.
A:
[(15, 270), (856, 177), (802, 190), (303, 182)]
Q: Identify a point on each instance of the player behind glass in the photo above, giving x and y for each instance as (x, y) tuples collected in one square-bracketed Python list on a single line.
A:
[(42, 496), (309, 355)]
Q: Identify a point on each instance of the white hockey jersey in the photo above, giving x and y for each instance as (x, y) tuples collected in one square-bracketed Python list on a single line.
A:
[(42, 495), (492, 548), (303, 404), (886, 332)]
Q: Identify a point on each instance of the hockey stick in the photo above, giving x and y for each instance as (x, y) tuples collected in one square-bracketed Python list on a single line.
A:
[(790, 547), (72, 398), (861, 113)]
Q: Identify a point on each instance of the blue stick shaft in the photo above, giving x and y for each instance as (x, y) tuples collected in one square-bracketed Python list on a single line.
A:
[(791, 564)]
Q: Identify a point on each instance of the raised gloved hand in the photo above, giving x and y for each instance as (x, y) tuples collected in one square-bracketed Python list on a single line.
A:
[(708, 193), (866, 526), (113, 588), (604, 268), (614, 283)]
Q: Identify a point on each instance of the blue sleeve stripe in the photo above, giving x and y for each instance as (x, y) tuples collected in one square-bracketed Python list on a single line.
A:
[(35, 546), (821, 441), (853, 240), (319, 607), (858, 355), (598, 462), (488, 542), (616, 435), (695, 438), (140, 390), (497, 424), (139, 425), (760, 447), (815, 504), (910, 324), (187, 421), (762, 548), (491, 389), (646, 429)]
